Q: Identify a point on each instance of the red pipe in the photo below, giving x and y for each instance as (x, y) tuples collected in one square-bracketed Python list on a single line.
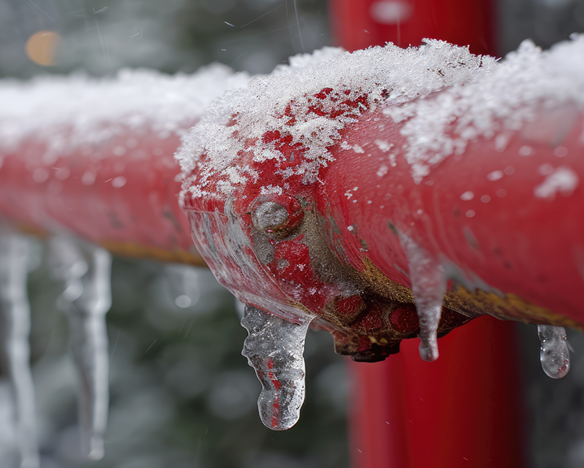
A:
[(454, 429), (461, 411), (358, 24)]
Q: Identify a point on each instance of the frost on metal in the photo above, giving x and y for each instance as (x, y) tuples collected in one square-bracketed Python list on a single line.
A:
[(306, 106), (275, 348), (554, 354), (86, 273), (15, 350), (505, 98), (72, 111)]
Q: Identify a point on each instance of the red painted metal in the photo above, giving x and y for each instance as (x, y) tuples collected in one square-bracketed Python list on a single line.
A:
[(407, 413), (127, 203), (461, 411), (510, 242), (358, 24)]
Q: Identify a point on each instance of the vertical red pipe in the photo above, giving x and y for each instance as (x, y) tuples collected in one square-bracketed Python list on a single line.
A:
[(463, 410), (358, 24)]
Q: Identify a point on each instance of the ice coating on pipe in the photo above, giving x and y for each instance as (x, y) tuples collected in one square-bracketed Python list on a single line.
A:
[(428, 287), (554, 353), (86, 272), (15, 314), (275, 348)]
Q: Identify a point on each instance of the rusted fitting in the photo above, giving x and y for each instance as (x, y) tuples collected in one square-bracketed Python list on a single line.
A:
[(276, 216)]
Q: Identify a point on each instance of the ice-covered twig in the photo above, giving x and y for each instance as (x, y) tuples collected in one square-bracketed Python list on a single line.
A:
[(15, 312), (86, 271)]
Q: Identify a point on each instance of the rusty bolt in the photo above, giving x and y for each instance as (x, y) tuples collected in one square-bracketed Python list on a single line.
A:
[(276, 215)]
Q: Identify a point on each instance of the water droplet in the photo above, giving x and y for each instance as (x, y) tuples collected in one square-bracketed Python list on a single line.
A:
[(183, 301), (274, 348), (554, 354)]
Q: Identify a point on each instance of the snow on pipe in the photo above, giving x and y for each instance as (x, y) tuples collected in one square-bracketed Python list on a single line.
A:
[(86, 272), (15, 311), (340, 190)]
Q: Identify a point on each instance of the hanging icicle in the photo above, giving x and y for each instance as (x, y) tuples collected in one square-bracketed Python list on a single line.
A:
[(275, 349), (15, 314), (554, 354), (428, 287), (86, 272)]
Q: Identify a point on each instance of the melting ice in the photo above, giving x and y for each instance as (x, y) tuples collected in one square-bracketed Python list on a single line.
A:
[(86, 271), (275, 348), (554, 354)]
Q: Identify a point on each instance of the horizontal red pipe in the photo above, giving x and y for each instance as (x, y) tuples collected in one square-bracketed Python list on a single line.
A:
[(121, 194), (479, 211)]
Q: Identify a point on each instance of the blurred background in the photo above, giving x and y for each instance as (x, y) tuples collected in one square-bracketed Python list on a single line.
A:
[(181, 393)]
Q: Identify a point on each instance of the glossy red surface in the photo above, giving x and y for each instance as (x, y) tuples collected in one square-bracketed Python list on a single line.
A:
[(512, 240), (461, 411), (128, 203)]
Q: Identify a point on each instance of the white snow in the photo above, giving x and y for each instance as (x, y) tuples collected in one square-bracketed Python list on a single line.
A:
[(561, 180), (90, 110), (504, 98), (380, 74)]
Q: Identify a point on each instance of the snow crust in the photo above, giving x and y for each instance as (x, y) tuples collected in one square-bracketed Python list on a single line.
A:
[(91, 110), (381, 74), (504, 98)]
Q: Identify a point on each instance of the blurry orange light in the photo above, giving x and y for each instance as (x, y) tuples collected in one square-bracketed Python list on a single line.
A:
[(41, 47)]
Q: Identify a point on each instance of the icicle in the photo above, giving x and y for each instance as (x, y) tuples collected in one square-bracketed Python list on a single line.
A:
[(428, 287), (554, 354), (86, 271), (15, 311), (275, 348), (183, 281)]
